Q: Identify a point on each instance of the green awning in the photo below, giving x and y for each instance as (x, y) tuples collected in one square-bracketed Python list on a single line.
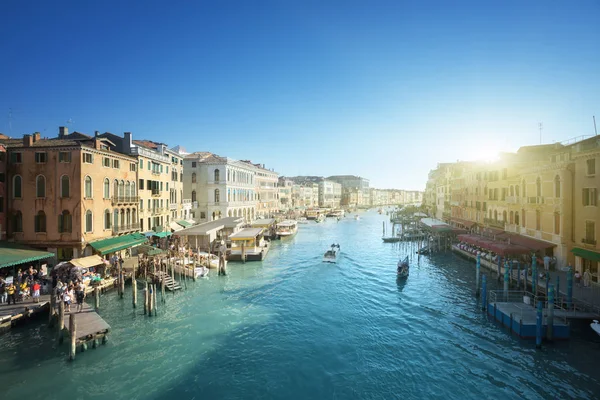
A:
[(162, 234), (185, 224), (110, 245), (149, 250), (587, 254), (15, 254)]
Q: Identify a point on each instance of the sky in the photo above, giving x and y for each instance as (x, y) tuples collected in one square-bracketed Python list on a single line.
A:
[(380, 89)]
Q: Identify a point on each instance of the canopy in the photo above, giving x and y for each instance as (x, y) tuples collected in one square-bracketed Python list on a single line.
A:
[(15, 254), (175, 226), (185, 224), (110, 245), (263, 223), (161, 234), (587, 254), (149, 250), (246, 234), (87, 262), (530, 243)]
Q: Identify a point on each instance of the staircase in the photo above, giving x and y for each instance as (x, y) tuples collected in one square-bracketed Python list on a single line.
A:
[(170, 283)]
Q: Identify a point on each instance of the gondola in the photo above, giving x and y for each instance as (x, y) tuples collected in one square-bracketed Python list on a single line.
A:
[(403, 268)]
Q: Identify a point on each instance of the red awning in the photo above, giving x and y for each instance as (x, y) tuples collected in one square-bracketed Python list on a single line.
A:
[(530, 243), (505, 249), (463, 222)]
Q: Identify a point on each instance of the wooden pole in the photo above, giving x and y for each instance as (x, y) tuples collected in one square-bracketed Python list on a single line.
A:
[(134, 290), (51, 313), (61, 320), (73, 332), (154, 300), (150, 305), (122, 283), (96, 299)]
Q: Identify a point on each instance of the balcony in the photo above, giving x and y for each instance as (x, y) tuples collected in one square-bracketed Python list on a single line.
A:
[(155, 192), (493, 223), (173, 206), (553, 201), (125, 200), (157, 211), (125, 228), (535, 200), (512, 200)]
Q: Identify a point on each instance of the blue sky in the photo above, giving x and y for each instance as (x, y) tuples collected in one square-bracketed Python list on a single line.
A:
[(384, 90)]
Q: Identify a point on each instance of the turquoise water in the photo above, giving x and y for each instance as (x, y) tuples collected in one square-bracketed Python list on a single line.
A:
[(295, 328)]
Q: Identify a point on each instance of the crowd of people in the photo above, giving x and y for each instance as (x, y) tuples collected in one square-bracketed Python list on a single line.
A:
[(26, 284)]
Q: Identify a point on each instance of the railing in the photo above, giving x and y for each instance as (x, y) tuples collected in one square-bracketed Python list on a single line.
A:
[(156, 211), (494, 223), (512, 200), (125, 228), (186, 201), (535, 200), (155, 192), (173, 206), (125, 199), (553, 201), (194, 204)]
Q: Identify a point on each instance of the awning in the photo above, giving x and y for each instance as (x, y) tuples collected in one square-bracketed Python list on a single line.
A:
[(110, 245), (587, 254), (15, 254), (505, 249), (149, 250), (530, 243), (191, 221), (87, 262), (463, 222), (246, 234), (175, 226), (185, 224), (161, 234)]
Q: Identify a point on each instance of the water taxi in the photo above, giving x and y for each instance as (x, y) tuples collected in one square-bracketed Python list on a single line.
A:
[(356, 217), (248, 244), (286, 228), (332, 254)]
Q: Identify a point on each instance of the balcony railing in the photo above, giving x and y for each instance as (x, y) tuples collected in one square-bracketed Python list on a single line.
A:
[(492, 222), (588, 241), (125, 228), (155, 192), (125, 199), (173, 206), (186, 201), (535, 200), (512, 200), (157, 211)]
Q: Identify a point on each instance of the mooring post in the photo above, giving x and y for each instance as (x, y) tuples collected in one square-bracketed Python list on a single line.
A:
[(61, 320), (122, 283), (51, 313), (73, 332), (150, 305), (518, 275), (162, 288), (484, 292), (550, 312), (569, 288), (505, 283), (477, 271), (538, 327), (510, 274), (534, 277), (134, 291), (154, 300), (557, 290)]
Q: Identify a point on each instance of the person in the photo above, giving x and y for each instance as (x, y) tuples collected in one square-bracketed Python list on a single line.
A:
[(67, 298), (577, 278), (36, 292), (24, 292), (80, 295), (11, 291), (587, 277), (547, 263)]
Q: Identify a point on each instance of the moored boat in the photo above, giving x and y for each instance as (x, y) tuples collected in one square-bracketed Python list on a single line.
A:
[(595, 326), (391, 239), (332, 254), (356, 217), (286, 228), (403, 268)]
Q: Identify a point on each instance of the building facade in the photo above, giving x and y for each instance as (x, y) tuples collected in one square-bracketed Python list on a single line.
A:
[(266, 190), (330, 194), (3, 197)]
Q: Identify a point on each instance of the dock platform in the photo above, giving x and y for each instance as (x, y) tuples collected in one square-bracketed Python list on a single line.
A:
[(14, 313), (89, 325), (170, 283), (521, 319)]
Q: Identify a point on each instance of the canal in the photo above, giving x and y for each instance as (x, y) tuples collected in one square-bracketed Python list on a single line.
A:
[(294, 328)]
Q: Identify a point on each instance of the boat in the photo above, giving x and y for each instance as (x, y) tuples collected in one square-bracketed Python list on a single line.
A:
[(200, 272), (248, 244), (391, 239), (213, 260), (403, 268), (302, 220), (596, 326), (286, 228), (356, 217), (320, 218), (332, 254)]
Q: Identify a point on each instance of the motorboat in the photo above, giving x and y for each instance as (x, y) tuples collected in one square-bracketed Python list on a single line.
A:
[(286, 228), (596, 326), (332, 254), (391, 239), (403, 268), (211, 260), (356, 217), (320, 218), (302, 220), (201, 272)]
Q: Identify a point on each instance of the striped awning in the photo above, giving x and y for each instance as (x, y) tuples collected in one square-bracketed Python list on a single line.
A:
[(15, 254)]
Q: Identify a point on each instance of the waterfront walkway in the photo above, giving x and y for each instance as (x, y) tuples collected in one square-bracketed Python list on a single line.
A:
[(89, 325), (15, 312)]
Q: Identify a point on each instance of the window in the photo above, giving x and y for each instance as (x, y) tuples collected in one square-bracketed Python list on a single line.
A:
[(524, 188), (65, 187), (193, 195), (106, 219), (88, 221), (193, 164), (516, 218), (538, 187), (141, 205), (591, 166), (161, 186), (106, 162), (149, 166), (590, 232), (65, 224), (132, 167), (589, 197), (16, 158), (194, 177), (167, 169), (161, 168), (88, 158), (556, 223), (116, 164), (538, 220), (40, 222), (41, 158), (106, 188), (217, 196), (167, 186), (557, 186), (141, 184), (141, 163), (40, 186), (181, 177), (202, 214), (17, 187), (217, 175), (64, 157), (88, 187), (18, 222)]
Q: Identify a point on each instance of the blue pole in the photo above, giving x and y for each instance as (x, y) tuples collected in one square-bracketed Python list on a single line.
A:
[(484, 292), (499, 266), (525, 283), (550, 315), (534, 277), (505, 282), (477, 271), (569, 288), (510, 275), (538, 325), (558, 289), (518, 275)]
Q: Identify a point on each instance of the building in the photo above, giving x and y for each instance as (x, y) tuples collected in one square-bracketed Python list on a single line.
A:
[(266, 189), (176, 208), (355, 190), (68, 192), (219, 187), (284, 193), (3, 197), (330, 194), (305, 195)]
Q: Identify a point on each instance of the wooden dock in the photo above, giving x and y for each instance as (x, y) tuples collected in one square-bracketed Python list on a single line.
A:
[(521, 319), (170, 283), (14, 313), (89, 325)]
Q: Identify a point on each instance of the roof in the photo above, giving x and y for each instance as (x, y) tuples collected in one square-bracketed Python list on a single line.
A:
[(206, 157), (287, 223), (110, 245), (146, 143), (15, 254), (202, 229), (246, 233), (587, 254), (43, 143), (263, 222), (175, 226), (86, 262), (149, 250), (184, 223)]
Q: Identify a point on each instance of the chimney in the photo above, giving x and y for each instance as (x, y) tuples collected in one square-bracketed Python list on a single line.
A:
[(27, 140), (127, 143), (62, 131), (36, 137), (96, 133)]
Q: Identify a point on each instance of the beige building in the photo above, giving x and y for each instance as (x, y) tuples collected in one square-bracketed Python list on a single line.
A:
[(266, 191), (67, 192)]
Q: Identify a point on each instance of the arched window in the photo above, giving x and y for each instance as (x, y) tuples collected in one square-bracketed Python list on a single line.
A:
[(538, 187), (217, 175), (107, 219), (495, 215), (229, 195), (517, 191), (65, 186), (193, 177), (115, 219), (556, 223), (127, 189), (40, 186), (512, 190), (128, 217), (193, 195), (217, 196), (134, 216), (557, 186), (121, 189), (116, 188), (504, 218), (517, 217), (65, 224), (40, 222), (17, 188), (524, 188), (18, 222), (88, 187), (89, 221), (106, 188), (122, 217), (133, 189), (228, 176)]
